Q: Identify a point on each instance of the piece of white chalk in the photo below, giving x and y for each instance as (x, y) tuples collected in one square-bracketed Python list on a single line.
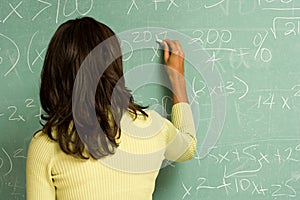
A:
[(159, 41)]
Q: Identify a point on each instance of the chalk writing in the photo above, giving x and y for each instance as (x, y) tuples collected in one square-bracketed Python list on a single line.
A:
[(166, 4), (277, 5), (16, 189), (13, 11), (7, 160), (13, 113), (252, 45), (223, 4), (214, 4), (13, 62), (243, 7), (212, 37), (238, 58), (42, 10), (291, 26), (187, 191), (69, 8), (258, 41), (249, 186), (247, 163), (38, 54), (90, 4), (230, 87)]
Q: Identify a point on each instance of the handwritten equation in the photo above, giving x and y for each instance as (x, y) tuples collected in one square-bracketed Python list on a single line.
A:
[(10, 54), (27, 111), (9, 160), (225, 6), (15, 11), (239, 171)]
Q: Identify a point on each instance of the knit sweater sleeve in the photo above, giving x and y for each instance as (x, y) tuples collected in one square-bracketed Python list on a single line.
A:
[(182, 139), (39, 183)]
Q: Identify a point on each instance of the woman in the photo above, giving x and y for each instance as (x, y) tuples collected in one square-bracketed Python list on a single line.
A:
[(70, 158)]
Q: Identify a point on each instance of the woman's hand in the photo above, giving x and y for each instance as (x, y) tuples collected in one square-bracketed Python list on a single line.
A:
[(174, 61)]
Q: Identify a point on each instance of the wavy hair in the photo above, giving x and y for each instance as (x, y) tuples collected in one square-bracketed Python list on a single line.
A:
[(69, 46)]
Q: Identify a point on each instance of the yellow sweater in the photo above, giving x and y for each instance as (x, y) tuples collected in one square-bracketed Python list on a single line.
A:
[(129, 174)]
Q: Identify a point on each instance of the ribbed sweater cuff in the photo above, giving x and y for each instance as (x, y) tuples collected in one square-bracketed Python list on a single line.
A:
[(182, 118)]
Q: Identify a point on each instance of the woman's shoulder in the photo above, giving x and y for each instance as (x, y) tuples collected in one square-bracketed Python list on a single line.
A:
[(41, 151), (41, 141), (40, 135)]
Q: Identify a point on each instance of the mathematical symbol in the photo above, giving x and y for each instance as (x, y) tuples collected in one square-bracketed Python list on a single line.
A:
[(264, 157), (212, 90), (225, 185), (157, 1), (40, 114), (262, 190), (172, 2), (15, 187), (213, 60), (246, 87), (1, 164), (21, 118), (242, 56), (187, 191), (132, 4), (1, 59), (285, 103), (10, 162), (223, 157), (197, 157), (220, 87), (289, 149), (38, 55), (255, 188), (14, 10), (258, 42), (194, 100), (44, 2), (213, 5), (155, 53), (1, 114), (278, 156), (195, 92), (296, 94), (237, 155), (18, 54)]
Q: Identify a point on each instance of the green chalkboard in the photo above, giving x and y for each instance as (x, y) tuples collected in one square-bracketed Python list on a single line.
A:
[(242, 69)]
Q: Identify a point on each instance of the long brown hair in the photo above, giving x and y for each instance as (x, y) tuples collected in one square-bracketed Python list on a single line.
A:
[(68, 48)]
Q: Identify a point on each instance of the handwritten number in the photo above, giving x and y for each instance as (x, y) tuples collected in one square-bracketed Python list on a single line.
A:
[(29, 103), (12, 115)]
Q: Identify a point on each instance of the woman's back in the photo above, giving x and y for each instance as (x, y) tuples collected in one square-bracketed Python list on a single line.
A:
[(97, 143), (128, 174)]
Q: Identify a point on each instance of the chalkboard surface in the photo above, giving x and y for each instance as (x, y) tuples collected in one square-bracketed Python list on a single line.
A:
[(242, 67)]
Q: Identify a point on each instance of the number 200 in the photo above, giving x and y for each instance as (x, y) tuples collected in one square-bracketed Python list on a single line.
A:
[(211, 36)]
